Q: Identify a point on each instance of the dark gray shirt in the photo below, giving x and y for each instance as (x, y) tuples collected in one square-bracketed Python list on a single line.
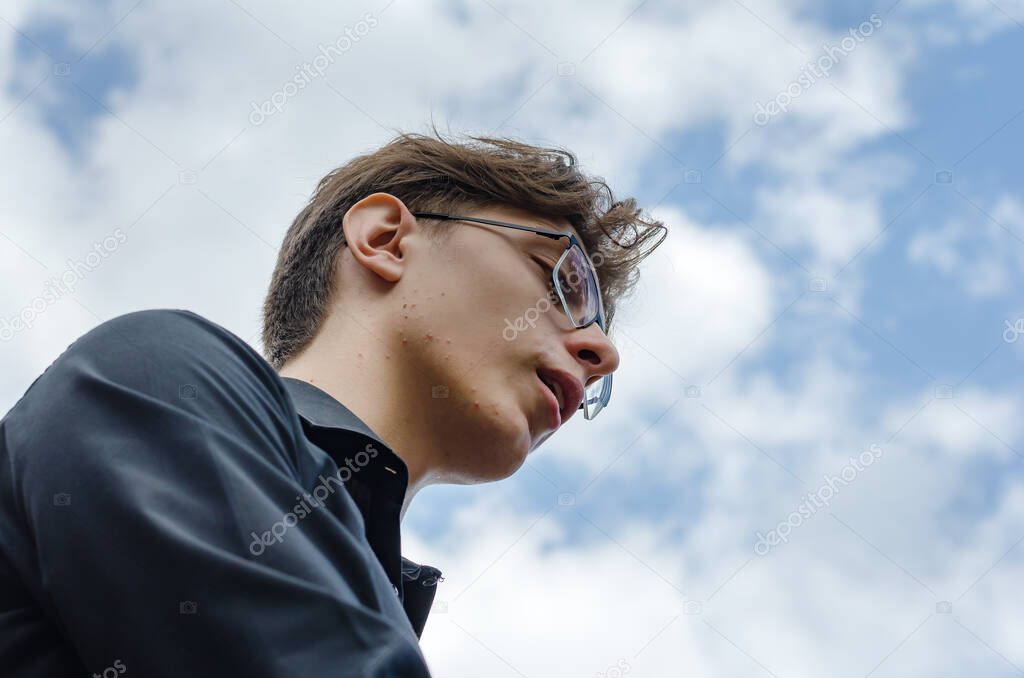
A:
[(170, 506)]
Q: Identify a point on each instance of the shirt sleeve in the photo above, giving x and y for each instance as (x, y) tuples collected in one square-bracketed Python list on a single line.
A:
[(163, 484)]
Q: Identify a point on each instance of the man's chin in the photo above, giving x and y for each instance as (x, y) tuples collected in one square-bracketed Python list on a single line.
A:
[(496, 468), (493, 442), (508, 458), (541, 440)]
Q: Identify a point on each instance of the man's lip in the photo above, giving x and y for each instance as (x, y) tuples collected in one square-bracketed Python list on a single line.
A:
[(552, 403), (572, 390)]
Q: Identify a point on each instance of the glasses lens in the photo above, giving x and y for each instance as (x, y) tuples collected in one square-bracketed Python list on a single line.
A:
[(578, 285), (596, 396)]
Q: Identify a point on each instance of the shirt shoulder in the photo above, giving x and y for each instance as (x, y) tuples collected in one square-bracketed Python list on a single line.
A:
[(190, 364), (141, 346), (159, 463)]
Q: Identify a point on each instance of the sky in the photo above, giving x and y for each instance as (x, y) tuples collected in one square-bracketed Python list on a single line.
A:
[(812, 461)]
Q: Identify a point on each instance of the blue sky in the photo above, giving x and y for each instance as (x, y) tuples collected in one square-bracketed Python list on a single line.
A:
[(68, 112), (921, 276)]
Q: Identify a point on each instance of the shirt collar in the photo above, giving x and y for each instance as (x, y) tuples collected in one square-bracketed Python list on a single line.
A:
[(321, 409), (378, 490), (330, 425)]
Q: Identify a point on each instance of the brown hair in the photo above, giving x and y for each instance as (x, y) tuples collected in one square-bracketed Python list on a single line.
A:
[(431, 173)]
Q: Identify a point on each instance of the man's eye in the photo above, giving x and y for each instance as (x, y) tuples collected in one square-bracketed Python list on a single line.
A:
[(546, 270)]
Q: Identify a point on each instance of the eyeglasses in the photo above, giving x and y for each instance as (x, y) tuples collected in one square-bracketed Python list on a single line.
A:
[(575, 282)]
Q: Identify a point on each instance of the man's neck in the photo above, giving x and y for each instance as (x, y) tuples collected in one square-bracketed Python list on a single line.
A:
[(359, 370)]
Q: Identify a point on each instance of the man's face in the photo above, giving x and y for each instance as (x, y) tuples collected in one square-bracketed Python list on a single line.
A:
[(483, 331)]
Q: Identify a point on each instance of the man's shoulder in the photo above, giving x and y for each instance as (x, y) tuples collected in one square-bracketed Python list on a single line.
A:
[(165, 353), (148, 331), (179, 383), (163, 336), (158, 327)]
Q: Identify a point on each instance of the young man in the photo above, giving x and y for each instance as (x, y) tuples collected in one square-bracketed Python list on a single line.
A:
[(172, 503)]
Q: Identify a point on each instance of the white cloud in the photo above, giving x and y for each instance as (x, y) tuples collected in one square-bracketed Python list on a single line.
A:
[(973, 424), (832, 225), (843, 591), (565, 599), (985, 252)]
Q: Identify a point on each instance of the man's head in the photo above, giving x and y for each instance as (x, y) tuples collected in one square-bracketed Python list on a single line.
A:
[(423, 307)]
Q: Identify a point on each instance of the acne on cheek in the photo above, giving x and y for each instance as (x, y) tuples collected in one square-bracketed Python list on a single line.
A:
[(476, 405), (494, 409), (405, 316)]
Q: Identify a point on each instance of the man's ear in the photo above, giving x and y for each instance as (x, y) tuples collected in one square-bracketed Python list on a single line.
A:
[(374, 230)]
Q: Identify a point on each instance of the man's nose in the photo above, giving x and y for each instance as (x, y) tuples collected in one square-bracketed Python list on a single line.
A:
[(594, 351)]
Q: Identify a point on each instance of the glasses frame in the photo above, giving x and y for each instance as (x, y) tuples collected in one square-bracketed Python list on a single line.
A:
[(598, 400)]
